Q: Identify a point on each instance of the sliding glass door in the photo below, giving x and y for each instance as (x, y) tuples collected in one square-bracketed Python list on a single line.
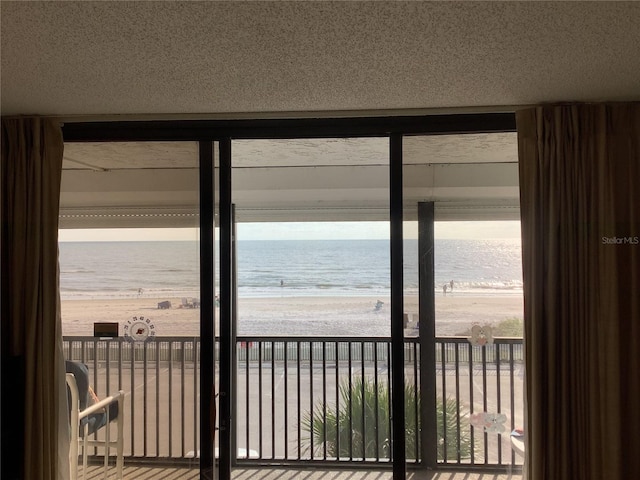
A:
[(312, 350), (132, 288), (319, 294), (462, 235)]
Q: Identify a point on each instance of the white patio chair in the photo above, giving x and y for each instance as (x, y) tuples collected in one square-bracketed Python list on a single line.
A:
[(85, 420)]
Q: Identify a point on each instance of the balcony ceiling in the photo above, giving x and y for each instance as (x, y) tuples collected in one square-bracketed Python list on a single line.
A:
[(156, 184)]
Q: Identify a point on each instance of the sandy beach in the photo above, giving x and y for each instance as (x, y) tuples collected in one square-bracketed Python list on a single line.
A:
[(326, 316)]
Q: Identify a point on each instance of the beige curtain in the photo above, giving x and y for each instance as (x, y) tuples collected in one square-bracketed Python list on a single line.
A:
[(580, 209), (32, 363)]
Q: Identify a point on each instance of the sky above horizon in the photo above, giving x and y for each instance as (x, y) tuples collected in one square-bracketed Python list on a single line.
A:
[(300, 231)]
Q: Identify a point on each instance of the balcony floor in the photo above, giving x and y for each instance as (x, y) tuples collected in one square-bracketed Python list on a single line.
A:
[(268, 473)]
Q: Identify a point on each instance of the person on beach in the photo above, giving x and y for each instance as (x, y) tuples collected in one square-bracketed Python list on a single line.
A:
[(451, 285), (444, 289)]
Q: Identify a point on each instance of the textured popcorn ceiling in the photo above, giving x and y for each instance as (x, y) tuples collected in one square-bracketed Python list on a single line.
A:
[(163, 58)]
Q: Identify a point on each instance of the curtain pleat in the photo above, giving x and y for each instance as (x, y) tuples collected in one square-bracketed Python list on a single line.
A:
[(32, 150), (580, 214)]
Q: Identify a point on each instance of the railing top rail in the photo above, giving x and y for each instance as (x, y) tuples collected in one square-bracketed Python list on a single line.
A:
[(306, 339), (91, 338), (496, 340), (293, 338), (243, 338)]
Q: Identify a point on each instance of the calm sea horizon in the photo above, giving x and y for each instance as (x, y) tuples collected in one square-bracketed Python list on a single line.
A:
[(281, 268)]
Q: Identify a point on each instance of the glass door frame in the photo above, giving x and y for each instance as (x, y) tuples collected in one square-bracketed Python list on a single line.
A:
[(206, 132), (208, 412)]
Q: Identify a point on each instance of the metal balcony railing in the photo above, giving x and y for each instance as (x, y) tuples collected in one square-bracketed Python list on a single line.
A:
[(311, 399)]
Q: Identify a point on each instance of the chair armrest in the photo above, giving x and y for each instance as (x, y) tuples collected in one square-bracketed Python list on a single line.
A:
[(102, 404)]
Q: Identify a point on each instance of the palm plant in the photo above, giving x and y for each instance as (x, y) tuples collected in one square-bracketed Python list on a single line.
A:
[(359, 426), (449, 415)]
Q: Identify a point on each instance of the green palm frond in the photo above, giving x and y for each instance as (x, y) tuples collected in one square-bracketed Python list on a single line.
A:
[(359, 426)]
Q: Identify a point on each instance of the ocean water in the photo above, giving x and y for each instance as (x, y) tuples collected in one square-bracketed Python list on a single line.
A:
[(277, 268)]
